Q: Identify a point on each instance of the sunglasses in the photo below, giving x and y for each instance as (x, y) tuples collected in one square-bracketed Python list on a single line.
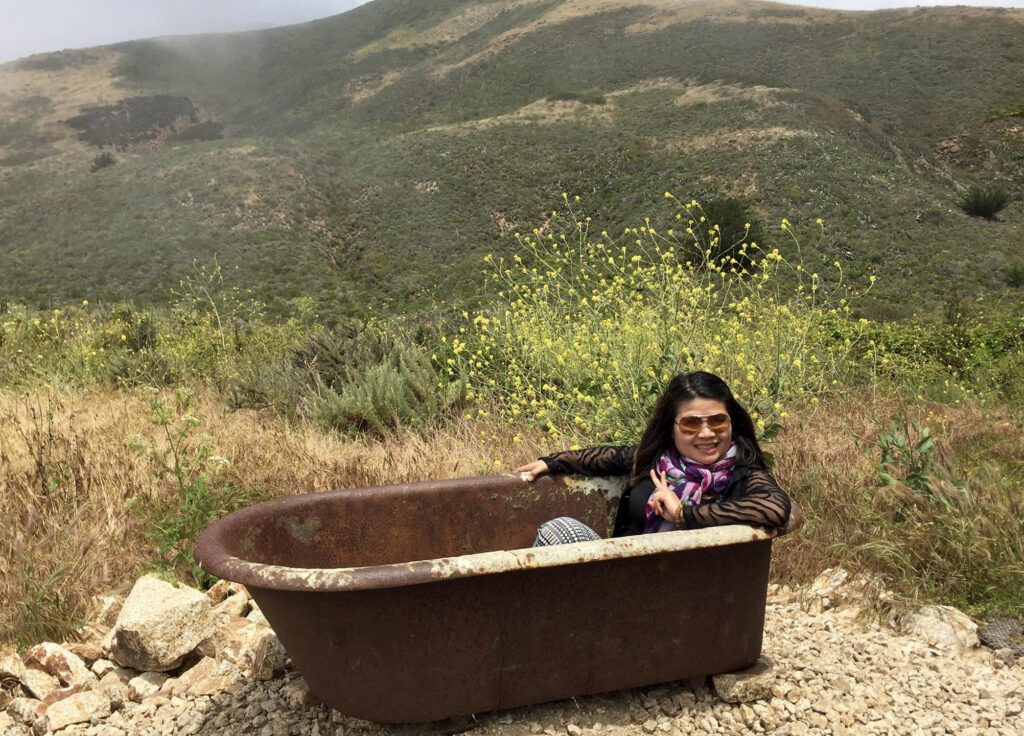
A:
[(692, 423)]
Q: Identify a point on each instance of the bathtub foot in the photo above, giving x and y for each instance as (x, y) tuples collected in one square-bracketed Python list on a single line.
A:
[(746, 685)]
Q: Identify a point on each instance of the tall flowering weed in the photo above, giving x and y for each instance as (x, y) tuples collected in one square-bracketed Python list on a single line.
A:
[(586, 328)]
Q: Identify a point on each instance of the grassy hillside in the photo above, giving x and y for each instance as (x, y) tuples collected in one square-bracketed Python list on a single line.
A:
[(377, 156)]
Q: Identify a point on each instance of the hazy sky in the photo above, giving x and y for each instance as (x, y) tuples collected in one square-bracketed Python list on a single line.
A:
[(33, 26)]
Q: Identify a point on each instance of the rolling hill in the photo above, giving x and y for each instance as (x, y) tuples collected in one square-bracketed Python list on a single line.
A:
[(373, 158)]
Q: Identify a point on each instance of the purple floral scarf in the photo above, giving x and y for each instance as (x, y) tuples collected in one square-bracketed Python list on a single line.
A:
[(691, 481)]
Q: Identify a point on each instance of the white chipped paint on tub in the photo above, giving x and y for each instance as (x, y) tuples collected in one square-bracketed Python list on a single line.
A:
[(486, 563), (490, 563), (611, 486)]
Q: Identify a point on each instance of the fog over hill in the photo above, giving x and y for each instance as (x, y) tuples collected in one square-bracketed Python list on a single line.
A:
[(370, 157), (52, 25)]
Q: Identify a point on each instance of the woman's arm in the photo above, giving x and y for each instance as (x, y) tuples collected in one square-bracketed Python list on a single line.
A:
[(763, 504), (606, 460)]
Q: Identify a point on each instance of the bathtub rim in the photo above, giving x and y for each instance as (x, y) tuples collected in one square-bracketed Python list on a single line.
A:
[(212, 555)]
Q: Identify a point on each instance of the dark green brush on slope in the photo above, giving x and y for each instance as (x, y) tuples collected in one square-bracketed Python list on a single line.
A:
[(372, 159)]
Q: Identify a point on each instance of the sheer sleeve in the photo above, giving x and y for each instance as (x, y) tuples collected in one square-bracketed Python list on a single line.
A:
[(763, 504), (606, 460)]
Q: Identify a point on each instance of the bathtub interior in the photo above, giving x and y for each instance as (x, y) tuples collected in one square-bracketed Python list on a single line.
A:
[(422, 521)]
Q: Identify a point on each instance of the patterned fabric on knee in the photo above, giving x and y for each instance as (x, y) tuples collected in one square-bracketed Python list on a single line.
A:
[(564, 530)]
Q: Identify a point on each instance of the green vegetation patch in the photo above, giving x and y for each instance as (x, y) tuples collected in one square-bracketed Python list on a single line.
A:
[(1007, 112)]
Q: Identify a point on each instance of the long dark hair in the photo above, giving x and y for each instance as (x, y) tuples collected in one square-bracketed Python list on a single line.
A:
[(683, 387)]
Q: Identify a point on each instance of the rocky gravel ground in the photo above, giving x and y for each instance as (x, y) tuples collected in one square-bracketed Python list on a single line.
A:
[(833, 674)]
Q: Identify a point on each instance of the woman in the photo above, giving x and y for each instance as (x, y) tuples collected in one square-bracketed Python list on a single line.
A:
[(698, 464)]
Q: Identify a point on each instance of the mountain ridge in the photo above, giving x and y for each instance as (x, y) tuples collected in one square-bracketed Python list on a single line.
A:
[(372, 156)]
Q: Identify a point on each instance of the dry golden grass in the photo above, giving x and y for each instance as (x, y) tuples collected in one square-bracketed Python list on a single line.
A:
[(449, 30), (364, 88), (551, 112), (693, 93), (65, 474), (659, 14), (61, 93), (828, 460), (538, 112), (740, 138)]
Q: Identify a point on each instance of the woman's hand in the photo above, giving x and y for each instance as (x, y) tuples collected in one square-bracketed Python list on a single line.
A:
[(532, 470), (664, 502)]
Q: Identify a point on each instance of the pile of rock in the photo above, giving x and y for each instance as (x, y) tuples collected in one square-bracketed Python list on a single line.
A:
[(175, 661), (941, 627), (162, 640)]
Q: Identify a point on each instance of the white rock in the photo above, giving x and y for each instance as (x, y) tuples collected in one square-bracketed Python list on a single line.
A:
[(744, 686), (223, 589), (105, 610), (159, 624), (101, 667), (59, 662), (186, 683), (114, 685), (146, 684), (219, 591), (11, 665), (88, 650), (11, 727), (39, 684), (828, 581), (296, 694), (25, 710), (255, 649), (942, 627), (78, 708), (64, 692), (999, 687), (234, 605), (255, 615), (119, 674)]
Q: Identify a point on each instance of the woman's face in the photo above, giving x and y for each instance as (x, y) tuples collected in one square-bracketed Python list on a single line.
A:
[(705, 438)]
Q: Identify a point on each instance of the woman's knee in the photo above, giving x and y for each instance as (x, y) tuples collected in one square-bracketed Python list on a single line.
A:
[(564, 530)]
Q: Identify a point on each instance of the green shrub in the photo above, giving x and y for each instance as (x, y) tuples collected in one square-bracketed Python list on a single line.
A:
[(737, 226), (908, 455), (102, 161), (1015, 275), (185, 462), (940, 533), (984, 202), (403, 390)]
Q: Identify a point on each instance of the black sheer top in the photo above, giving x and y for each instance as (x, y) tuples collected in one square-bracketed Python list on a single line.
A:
[(751, 497)]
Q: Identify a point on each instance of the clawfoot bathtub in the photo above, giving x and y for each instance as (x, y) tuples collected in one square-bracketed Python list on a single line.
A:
[(417, 602)]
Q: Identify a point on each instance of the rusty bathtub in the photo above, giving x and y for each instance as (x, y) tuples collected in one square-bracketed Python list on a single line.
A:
[(423, 601)]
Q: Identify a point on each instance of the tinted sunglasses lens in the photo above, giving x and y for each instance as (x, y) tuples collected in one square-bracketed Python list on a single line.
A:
[(718, 422), (689, 424)]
